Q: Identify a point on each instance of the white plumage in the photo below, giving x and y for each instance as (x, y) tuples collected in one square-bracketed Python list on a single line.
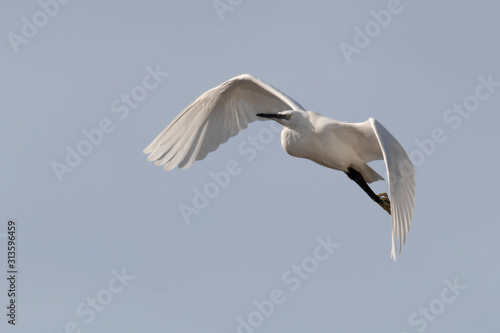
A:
[(223, 111)]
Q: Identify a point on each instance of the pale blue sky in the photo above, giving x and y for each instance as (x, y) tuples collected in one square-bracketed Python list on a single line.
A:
[(116, 214)]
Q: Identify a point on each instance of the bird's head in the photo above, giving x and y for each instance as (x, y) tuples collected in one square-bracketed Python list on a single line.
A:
[(290, 119)]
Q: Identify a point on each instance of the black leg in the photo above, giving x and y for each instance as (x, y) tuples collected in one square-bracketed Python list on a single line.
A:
[(358, 178)]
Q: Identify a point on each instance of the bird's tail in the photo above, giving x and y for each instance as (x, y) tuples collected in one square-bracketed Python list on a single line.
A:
[(369, 174)]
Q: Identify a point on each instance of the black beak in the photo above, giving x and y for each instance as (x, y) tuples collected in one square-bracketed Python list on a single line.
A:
[(271, 115)]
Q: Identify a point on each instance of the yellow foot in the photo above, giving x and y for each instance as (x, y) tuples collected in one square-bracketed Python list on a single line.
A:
[(386, 204)]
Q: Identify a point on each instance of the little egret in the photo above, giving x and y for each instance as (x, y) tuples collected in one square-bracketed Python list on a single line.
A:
[(223, 111)]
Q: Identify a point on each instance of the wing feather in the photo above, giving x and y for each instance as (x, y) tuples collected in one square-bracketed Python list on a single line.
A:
[(401, 178), (213, 118), (371, 141)]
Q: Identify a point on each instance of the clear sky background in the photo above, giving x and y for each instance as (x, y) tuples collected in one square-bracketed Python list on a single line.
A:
[(113, 213)]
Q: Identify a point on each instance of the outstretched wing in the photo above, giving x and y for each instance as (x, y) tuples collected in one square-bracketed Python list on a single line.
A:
[(213, 118), (370, 141), (401, 178)]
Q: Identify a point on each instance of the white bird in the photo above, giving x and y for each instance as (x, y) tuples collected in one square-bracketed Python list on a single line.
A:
[(223, 111)]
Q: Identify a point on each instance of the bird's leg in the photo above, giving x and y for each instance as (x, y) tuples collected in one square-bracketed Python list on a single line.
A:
[(386, 204), (381, 199)]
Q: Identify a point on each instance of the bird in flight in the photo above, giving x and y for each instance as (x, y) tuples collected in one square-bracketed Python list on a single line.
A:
[(223, 111)]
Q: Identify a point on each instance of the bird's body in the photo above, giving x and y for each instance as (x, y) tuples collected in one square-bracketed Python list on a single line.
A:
[(223, 111), (323, 140)]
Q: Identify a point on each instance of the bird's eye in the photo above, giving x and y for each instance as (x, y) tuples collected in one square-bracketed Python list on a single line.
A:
[(290, 116)]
